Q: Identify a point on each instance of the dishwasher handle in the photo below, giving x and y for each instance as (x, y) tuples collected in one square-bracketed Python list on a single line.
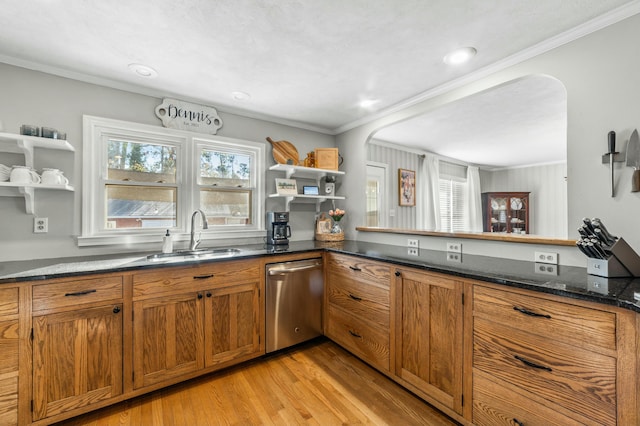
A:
[(294, 269)]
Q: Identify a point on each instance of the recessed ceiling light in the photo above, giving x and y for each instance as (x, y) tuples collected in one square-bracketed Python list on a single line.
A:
[(460, 56), (368, 103), (240, 96), (143, 71)]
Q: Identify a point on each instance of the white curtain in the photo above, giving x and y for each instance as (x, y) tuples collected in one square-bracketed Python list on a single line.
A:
[(428, 194), (473, 220)]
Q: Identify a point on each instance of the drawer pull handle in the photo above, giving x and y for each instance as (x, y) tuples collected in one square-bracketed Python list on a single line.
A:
[(80, 293), (398, 273), (355, 268), (116, 309), (532, 364), (200, 296), (518, 422), (530, 313), (356, 298), (354, 334), (202, 277)]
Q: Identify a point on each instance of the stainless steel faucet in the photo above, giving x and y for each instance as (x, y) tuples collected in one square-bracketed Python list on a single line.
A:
[(193, 243)]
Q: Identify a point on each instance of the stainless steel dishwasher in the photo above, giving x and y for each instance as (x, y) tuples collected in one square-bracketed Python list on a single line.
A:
[(293, 302)]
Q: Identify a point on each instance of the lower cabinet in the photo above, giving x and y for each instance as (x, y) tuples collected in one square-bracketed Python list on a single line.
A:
[(232, 323), (213, 322), (77, 343), (167, 338), (77, 359), (9, 354), (357, 312), (429, 336), (541, 361)]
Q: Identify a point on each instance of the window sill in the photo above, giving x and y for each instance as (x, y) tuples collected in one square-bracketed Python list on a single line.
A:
[(129, 240)]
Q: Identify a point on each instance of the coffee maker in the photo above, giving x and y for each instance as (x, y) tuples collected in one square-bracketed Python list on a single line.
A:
[(278, 229)]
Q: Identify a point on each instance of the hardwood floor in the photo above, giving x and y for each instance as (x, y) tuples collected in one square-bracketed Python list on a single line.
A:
[(317, 383)]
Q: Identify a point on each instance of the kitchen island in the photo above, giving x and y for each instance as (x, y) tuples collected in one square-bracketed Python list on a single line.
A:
[(445, 330)]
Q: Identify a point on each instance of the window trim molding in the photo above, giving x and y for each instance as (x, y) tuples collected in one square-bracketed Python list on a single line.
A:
[(92, 235)]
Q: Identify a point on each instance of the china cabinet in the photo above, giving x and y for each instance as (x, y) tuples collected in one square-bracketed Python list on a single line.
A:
[(506, 212)]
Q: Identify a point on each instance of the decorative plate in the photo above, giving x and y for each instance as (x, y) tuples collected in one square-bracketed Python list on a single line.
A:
[(516, 204)]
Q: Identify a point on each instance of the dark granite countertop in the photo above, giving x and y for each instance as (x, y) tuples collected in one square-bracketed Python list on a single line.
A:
[(569, 281)]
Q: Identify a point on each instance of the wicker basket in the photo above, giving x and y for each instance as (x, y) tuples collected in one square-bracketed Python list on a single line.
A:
[(330, 237)]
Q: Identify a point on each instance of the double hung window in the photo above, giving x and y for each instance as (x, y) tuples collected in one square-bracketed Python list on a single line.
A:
[(139, 180)]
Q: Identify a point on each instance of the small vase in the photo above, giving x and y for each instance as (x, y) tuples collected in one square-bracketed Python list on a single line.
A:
[(337, 228)]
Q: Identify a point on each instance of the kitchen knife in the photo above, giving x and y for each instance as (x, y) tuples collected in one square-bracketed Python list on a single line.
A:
[(633, 160), (612, 153)]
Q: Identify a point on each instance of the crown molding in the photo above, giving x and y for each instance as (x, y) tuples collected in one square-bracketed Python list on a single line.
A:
[(575, 33)]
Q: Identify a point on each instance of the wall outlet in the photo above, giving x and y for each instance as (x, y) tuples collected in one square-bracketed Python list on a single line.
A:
[(412, 251), (454, 247), (412, 243), (454, 257), (546, 257), (546, 269), (40, 225)]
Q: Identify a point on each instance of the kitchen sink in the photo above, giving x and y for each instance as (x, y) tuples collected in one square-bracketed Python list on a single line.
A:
[(188, 255)]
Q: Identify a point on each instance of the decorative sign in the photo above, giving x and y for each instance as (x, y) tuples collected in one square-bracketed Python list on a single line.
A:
[(187, 116)]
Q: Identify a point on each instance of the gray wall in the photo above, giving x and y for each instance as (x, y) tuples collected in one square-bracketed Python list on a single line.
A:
[(30, 97), (600, 73), (403, 217)]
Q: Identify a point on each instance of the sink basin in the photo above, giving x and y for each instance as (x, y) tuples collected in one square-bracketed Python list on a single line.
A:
[(187, 255)]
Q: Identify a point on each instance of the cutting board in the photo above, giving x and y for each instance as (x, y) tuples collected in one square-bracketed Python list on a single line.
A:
[(284, 151)]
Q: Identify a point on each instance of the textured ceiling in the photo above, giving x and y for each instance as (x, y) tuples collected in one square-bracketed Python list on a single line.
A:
[(305, 62)]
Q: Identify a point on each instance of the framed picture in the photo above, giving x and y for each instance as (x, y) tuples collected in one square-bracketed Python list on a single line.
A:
[(406, 187), (323, 226), (286, 186)]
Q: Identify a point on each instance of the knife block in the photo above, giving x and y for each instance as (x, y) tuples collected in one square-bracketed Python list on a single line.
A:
[(623, 262)]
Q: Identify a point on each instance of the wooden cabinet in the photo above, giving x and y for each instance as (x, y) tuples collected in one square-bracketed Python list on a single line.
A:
[(506, 212), (358, 307), (9, 354), (429, 336), (539, 361), (188, 319), (232, 325), (77, 344), (167, 336)]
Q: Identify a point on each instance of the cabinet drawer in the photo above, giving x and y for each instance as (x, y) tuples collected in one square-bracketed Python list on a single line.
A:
[(78, 292), (9, 400), (565, 322), (189, 278), (581, 381), (367, 301), (359, 269), (494, 405), (368, 342)]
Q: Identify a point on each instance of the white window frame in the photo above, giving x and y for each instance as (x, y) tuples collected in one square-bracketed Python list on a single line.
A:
[(97, 129)]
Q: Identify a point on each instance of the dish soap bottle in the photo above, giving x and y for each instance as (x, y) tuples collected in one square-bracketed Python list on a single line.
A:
[(167, 243)]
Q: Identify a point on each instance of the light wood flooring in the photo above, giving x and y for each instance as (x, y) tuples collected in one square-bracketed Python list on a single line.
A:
[(317, 383)]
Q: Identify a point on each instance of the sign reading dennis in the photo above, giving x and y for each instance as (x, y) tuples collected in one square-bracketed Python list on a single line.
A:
[(188, 116)]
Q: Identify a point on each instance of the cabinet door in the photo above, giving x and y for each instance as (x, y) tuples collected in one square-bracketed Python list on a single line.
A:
[(77, 359), (232, 323), (9, 355), (167, 338), (430, 336)]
